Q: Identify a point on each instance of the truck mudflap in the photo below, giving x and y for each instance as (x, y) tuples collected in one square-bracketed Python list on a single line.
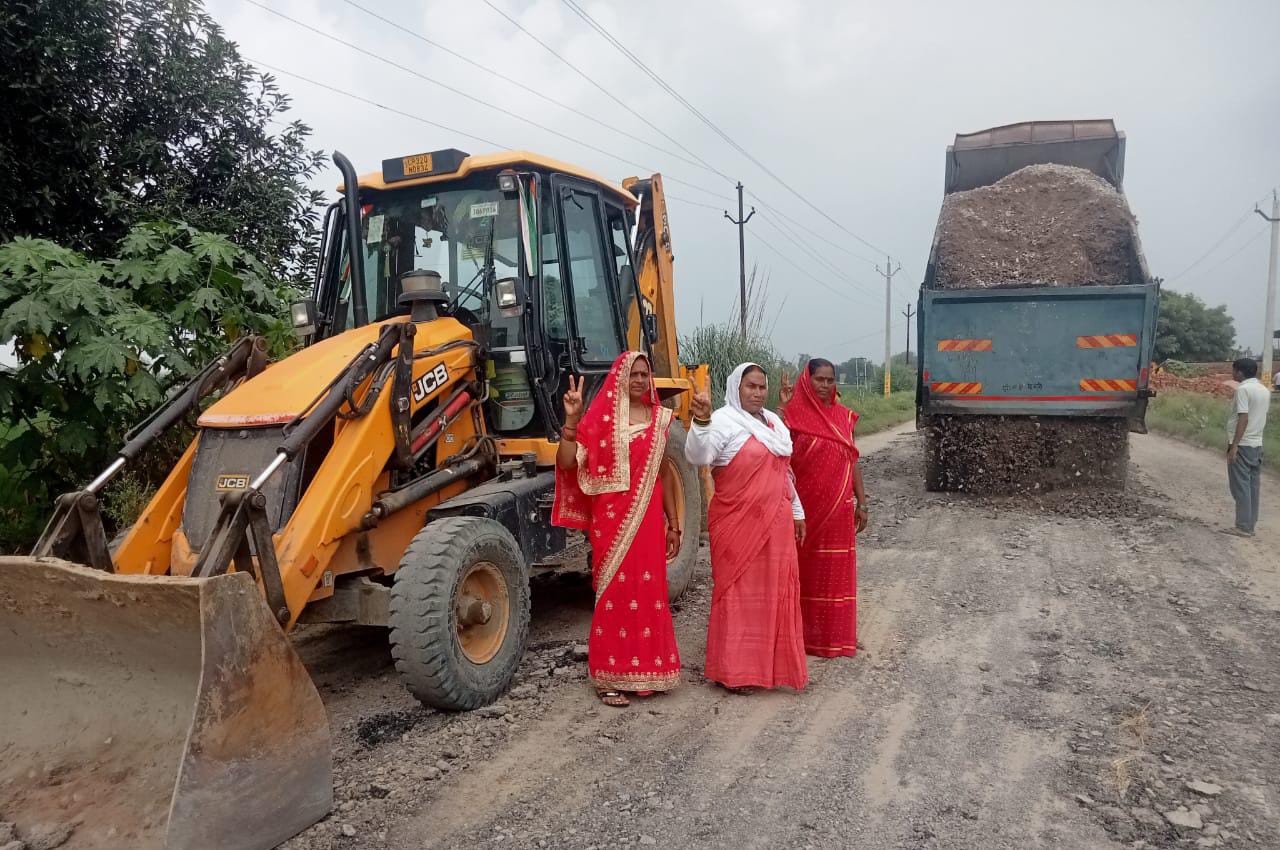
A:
[(154, 711)]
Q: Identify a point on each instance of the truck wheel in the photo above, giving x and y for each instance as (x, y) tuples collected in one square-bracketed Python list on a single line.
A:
[(460, 613), (689, 510), (935, 473)]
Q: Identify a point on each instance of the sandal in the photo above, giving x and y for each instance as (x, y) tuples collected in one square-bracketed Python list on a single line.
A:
[(617, 699)]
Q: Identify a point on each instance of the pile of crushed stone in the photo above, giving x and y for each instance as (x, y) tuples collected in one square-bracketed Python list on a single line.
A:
[(1043, 225)]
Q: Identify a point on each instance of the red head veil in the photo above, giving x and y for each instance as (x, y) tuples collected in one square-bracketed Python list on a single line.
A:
[(809, 414), (604, 446)]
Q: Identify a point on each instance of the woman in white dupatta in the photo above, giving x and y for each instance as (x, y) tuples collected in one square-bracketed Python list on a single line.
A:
[(755, 637)]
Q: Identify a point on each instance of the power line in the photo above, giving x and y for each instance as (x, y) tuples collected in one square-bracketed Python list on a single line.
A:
[(362, 99), (1244, 245), (1234, 227), (621, 48), (671, 197), (807, 274), (604, 90), (530, 89), (815, 235), (372, 55), (839, 273), (784, 257)]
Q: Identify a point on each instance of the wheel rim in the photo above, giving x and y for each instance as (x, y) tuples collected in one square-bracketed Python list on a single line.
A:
[(482, 610), (669, 466)]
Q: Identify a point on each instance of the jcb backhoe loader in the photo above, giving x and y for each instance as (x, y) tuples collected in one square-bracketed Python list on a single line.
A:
[(395, 471)]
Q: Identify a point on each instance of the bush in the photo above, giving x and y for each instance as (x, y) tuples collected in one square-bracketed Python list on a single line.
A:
[(100, 342), (1202, 419), (722, 348)]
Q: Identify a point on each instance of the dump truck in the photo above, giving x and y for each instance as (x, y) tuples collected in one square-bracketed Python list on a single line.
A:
[(395, 471), (1035, 343)]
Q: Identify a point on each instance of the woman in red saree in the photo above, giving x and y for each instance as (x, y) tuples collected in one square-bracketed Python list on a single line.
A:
[(608, 485), (755, 636), (825, 461)]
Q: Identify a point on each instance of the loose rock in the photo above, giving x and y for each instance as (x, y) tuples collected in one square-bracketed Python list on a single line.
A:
[(1207, 789), (1186, 819)]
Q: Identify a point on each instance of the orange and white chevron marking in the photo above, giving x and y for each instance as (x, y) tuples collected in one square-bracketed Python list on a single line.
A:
[(1101, 385), (1107, 341), (964, 345), (955, 388)]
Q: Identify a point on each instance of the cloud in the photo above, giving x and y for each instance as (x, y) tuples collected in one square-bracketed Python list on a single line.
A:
[(852, 104)]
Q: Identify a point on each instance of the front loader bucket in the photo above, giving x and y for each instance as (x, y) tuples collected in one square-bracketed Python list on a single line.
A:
[(154, 711)]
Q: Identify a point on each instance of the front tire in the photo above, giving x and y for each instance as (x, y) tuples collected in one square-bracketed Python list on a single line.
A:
[(460, 613), (689, 506)]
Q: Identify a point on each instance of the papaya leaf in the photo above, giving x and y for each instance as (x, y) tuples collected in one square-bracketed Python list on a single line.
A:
[(29, 314), (99, 355), (75, 288), (218, 250), (25, 254), (141, 241), (174, 264)]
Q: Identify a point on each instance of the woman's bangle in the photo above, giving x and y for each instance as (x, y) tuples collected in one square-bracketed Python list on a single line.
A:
[(701, 423), (570, 433)]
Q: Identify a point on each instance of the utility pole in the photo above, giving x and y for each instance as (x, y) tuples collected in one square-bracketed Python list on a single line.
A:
[(742, 258), (1269, 344), (888, 311), (909, 312)]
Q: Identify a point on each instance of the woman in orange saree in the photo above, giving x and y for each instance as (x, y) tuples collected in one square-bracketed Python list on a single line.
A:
[(825, 461), (754, 636), (608, 485)]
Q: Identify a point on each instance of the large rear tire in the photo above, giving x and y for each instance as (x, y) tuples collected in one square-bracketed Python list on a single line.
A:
[(689, 506), (460, 613)]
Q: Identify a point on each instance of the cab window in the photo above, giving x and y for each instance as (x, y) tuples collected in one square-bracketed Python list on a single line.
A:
[(592, 270), (467, 232)]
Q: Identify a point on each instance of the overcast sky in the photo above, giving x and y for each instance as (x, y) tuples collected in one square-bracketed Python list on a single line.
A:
[(851, 104)]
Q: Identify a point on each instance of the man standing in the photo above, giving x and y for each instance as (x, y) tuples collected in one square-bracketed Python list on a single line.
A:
[(1244, 452)]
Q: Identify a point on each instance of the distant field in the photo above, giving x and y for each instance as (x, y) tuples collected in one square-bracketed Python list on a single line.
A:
[(1202, 419), (875, 412)]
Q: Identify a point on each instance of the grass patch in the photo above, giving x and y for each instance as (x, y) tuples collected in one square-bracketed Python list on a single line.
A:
[(875, 412), (1202, 419)]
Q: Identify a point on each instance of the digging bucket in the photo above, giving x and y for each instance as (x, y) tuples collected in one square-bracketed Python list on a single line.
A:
[(154, 711)]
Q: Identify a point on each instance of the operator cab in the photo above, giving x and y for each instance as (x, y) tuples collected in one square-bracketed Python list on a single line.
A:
[(534, 257)]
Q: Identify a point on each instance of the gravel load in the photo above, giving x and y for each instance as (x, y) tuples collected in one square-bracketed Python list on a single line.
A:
[(1007, 455), (1043, 225)]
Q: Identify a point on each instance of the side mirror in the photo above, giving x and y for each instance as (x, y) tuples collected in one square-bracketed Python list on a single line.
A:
[(650, 323), (303, 315)]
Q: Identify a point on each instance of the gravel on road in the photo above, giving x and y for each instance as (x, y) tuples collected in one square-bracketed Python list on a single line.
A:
[(1072, 670)]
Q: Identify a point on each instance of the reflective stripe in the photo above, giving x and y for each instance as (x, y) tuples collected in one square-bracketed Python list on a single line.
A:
[(964, 345), (1107, 341)]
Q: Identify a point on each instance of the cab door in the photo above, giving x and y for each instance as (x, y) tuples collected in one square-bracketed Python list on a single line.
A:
[(586, 272)]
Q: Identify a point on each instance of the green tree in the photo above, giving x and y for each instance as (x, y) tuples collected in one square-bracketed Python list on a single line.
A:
[(98, 342), (120, 111), (1189, 330)]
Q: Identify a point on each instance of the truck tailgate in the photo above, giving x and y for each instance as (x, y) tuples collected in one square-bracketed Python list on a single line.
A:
[(1060, 351)]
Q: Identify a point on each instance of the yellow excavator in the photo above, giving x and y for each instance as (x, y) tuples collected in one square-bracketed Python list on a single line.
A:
[(394, 471)]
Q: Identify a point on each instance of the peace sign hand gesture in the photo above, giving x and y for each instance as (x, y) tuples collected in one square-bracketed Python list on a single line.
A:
[(700, 405), (573, 400), (786, 389)]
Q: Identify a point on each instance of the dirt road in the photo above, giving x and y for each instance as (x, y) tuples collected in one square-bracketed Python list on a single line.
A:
[(1033, 674)]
